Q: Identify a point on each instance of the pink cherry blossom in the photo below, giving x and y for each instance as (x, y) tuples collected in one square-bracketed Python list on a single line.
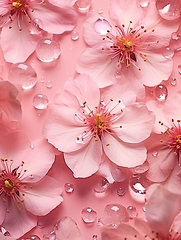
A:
[(135, 44), (67, 229), (25, 191), (8, 100), (18, 18), (85, 123), (164, 147), (162, 219)]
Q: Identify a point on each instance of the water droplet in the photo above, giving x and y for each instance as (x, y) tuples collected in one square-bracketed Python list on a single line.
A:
[(40, 224), (141, 168), (102, 186), (75, 36), (173, 81), (169, 9), (132, 211), (119, 174), (32, 145), (174, 36), (168, 53), (121, 191), (88, 215), (23, 74), (100, 10), (42, 79), (155, 154), (144, 3), (69, 188), (179, 68), (83, 5), (144, 209), (102, 26), (48, 50), (161, 92), (175, 42), (35, 27), (139, 183), (4, 231), (49, 236), (40, 101), (34, 237), (49, 84), (114, 214)]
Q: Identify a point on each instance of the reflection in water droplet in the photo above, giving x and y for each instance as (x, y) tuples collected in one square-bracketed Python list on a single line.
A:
[(102, 186), (40, 101), (69, 188), (48, 50), (161, 92), (132, 211), (36, 26), (169, 9), (88, 215), (75, 36), (173, 81), (139, 183), (23, 74), (102, 26), (168, 52)]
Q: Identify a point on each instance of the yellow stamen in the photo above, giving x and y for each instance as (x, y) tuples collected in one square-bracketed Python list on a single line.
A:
[(17, 4), (8, 184)]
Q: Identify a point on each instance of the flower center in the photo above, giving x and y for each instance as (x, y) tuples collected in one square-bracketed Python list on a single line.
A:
[(17, 4)]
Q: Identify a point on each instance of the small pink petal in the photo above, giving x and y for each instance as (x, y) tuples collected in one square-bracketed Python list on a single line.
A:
[(62, 3), (68, 230)]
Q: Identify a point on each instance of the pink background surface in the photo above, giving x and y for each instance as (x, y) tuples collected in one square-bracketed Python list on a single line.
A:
[(32, 121)]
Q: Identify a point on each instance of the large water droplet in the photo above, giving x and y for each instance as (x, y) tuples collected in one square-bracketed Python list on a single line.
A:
[(114, 214), (36, 26), (169, 9), (132, 211), (69, 188), (74, 35), (102, 26), (89, 215), (139, 183), (40, 101), (119, 174), (168, 52), (161, 92), (102, 186), (83, 5), (48, 50), (23, 74)]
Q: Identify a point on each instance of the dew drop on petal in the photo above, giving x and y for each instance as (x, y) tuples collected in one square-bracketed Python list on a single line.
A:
[(69, 187), (161, 92), (144, 3), (169, 9), (83, 5), (88, 215), (174, 36), (40, 224), (173, 81), (179, 68), (101, 186), (168, 52), (13, 125), (48, 50), (23, 74), (94, 237), (34, 237), (50, 236), (141, 168), (119, 174), (114, 214), (49, 84), (36, 26), (139, 183), (132, 211), (74, 35), (102, 26), (100, 10), (40, 101), (155, 154), (121, 191)]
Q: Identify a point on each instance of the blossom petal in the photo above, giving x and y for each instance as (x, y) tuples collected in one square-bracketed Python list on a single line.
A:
[(161, 209), (98, 65), (55, 20), (135, 124), (24, 219), (20, 49), (68, 230), (159, 66), (123, 154), (3, 208), (85, 161), (42, 197), (62, 3)]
